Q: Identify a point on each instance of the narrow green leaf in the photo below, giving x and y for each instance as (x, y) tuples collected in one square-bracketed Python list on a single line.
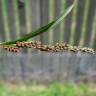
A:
[(44, 28)]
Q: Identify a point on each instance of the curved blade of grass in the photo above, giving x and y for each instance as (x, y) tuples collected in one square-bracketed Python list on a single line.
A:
[(44, 28)]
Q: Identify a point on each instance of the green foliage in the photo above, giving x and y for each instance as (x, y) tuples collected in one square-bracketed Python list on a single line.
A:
[(44, 28), (56, 89)]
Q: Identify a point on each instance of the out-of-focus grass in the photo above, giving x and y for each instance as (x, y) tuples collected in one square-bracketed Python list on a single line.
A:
[(56, 89)]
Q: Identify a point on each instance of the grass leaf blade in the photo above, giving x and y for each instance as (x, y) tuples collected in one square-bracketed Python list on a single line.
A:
[(44, 28)]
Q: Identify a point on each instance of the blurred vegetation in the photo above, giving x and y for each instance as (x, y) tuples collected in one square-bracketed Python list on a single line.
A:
[(55, 89)]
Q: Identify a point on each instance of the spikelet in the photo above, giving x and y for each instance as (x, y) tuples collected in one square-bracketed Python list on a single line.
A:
[(11, 49)]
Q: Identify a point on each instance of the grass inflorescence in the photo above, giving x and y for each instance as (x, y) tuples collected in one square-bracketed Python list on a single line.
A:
[(58, 47)]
